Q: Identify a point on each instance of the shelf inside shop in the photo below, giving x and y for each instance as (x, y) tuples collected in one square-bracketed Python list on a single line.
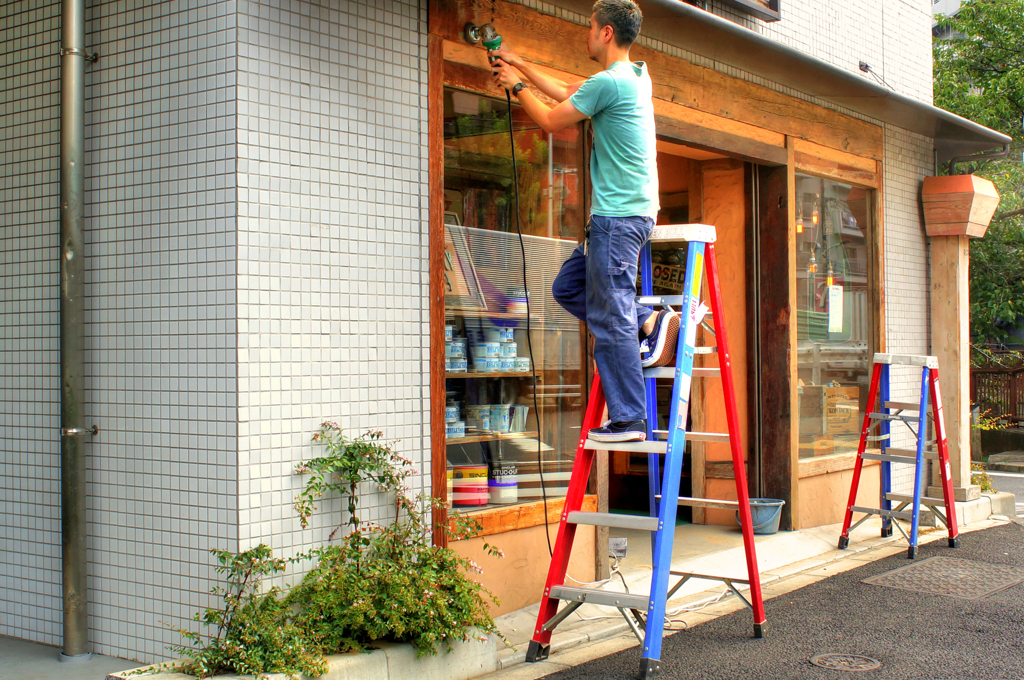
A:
[(478, 374), (490, 437)]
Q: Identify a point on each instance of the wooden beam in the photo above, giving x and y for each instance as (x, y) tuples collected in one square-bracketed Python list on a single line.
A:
[(435, 163), (840, 172), (836, 462), (523, 516), (775, 318), (467, 69), (561, 45), (714, 139)]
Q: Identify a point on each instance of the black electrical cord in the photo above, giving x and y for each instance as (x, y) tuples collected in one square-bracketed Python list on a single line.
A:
[(529, 340)]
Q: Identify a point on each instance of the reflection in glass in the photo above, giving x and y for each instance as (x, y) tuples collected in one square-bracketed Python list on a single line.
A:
[(834, 323), (493, 430)]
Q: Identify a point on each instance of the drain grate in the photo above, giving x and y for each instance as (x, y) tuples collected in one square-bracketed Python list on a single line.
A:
[(846, 662), (951, 577)]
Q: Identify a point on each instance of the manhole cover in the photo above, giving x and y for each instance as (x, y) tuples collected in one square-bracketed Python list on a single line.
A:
[(846, 662), (952, 577)]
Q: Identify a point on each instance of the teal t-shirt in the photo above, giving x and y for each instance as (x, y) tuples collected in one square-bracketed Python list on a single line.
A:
[(624, 164)]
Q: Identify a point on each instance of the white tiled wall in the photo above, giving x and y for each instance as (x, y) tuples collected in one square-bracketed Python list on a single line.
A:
[(893, 36), (257, 245), (332, 234), (161, 245), (908, 159), (30, 570)]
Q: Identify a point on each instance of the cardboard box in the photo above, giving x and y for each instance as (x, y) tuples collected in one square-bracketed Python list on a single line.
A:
[(842, 410)]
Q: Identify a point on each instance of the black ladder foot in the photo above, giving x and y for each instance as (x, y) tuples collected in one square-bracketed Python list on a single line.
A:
[(760, 629), (649, 668), (887, 531), (954, 542), (844, 541), (911, 552), (538, 651)]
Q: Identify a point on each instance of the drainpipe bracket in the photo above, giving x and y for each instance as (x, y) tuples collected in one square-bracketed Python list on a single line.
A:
[(79, 431), (75, 51)]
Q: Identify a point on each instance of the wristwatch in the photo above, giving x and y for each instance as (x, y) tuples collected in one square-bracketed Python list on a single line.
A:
[(518, 87)]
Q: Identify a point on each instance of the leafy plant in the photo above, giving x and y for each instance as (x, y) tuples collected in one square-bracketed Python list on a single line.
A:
[(979, 74), (255, 632), (391, 583), (348, 463), (981, 478)]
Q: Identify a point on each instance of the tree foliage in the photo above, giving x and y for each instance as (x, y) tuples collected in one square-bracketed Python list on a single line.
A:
[(979, 74)]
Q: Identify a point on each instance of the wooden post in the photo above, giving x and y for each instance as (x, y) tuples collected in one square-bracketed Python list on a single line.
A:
[(956, 208), (950, 256)]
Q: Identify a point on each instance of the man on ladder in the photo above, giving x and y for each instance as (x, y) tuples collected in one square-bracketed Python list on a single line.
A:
[(597, 284)]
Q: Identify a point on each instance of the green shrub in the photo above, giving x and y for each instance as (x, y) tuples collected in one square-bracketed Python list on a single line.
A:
[(390, 583), (379, 582), (255, 632)]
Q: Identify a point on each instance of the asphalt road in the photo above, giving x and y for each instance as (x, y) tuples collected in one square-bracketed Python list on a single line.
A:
[(1011, 482), (913, 635)]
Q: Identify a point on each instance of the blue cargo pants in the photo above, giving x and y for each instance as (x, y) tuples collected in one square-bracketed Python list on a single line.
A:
[(597, 285)]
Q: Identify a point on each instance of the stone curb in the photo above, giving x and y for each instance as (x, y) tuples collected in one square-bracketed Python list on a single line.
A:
[(390, 661)]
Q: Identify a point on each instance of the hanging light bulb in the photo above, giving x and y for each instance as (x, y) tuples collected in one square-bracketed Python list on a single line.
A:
[(828, 275), (812, 266), (814, 214), (800, 224)]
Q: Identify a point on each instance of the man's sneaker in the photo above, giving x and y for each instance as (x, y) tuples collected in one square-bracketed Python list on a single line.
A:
[(661, 342), (633, 431)]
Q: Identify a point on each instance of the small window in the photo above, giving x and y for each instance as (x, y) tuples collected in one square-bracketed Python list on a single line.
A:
[(494, 436), (834, 313)]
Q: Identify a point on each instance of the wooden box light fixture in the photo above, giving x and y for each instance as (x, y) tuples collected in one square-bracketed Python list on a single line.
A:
[(958, 205)]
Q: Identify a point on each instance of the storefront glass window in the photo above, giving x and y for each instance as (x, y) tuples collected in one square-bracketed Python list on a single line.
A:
[(834, 315), (492, 425)]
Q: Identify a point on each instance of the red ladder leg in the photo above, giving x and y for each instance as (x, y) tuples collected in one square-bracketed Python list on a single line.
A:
[(567, 532), (738, 464), (943, 449), (844, 537)]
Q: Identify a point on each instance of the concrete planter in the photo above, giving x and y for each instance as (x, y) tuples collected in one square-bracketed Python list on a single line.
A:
[(390, 661)]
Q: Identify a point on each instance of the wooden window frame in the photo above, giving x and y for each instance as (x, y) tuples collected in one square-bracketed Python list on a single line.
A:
[(453, 74)]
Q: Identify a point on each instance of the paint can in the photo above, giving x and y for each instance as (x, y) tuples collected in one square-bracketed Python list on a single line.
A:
[(470, 485), (503, 485), (501, 418)]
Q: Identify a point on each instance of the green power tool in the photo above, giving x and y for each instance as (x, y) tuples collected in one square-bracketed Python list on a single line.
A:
[(486, 35)]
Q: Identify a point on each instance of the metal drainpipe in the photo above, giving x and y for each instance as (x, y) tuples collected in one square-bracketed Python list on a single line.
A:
[(72, 348)]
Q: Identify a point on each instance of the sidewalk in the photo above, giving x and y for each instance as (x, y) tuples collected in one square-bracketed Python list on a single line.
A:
[(787, 561)]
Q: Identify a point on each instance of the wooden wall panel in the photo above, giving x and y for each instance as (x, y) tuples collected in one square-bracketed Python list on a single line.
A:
[(561, 45), (435, 125), (776, 309)]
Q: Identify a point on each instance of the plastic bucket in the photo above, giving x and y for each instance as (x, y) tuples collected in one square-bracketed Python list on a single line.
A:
[(765, 514)]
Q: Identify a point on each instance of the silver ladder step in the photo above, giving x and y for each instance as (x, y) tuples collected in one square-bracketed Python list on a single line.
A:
[(906, 360), (600, 597), (902, 405), (895, 416), (884, 513), (654, 446), (705, 233), (608, 519), (905, 498), (912, 453), (662, 300), (670, 372), (890, 458), (706, 503)]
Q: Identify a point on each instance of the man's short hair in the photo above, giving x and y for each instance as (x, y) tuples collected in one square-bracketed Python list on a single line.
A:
[(623, 16)]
